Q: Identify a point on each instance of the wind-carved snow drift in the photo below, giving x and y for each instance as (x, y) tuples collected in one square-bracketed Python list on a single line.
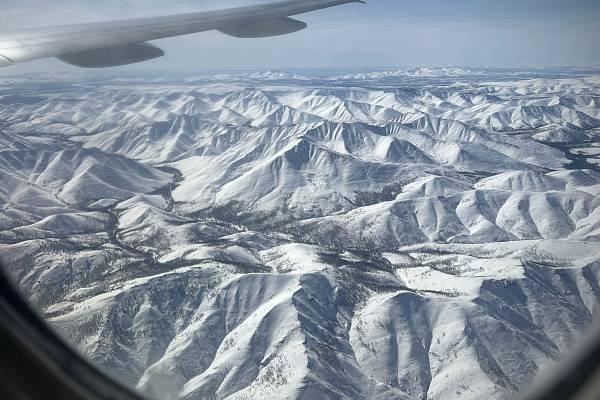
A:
[(411, 234)]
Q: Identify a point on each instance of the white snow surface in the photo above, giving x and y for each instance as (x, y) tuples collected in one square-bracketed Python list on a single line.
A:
[(415, 233)]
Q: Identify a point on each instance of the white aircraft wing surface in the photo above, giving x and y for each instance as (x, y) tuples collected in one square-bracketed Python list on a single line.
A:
[(107, 44)]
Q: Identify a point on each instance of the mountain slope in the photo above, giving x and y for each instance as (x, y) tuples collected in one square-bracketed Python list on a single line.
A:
[(426, 233)]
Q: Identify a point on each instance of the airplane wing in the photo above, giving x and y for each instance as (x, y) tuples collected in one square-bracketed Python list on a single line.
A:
[(107, 44)]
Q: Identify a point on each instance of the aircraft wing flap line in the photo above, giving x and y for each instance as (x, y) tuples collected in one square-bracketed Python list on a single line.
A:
[(5, 61)]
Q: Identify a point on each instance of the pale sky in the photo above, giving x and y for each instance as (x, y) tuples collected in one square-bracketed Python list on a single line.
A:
[(380, 33)]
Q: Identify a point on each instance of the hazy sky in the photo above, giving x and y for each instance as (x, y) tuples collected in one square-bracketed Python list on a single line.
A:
[(381, 33)]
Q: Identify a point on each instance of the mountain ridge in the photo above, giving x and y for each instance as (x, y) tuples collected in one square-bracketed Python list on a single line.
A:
[(405, 234)]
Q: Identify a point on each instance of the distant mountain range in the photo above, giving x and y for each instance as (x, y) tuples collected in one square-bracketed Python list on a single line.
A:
[(427, 233)]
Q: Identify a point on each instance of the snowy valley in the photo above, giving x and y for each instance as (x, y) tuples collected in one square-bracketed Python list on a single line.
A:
[(428, 233)]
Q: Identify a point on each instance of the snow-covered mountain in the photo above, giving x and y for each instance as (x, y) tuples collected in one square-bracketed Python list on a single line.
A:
[(405, 234)]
